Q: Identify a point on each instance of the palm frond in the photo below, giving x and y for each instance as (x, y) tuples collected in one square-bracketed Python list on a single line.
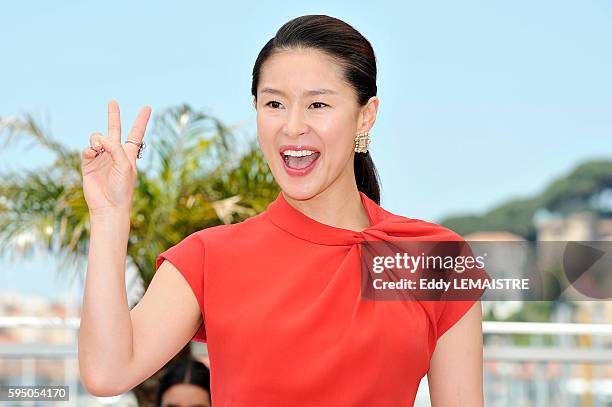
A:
[(199, 176), (27, 128)]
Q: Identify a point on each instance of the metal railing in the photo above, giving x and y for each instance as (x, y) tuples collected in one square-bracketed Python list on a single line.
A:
[(565, 352), (496, 352)]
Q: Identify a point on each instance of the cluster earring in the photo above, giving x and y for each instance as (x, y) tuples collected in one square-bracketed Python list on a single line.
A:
[(362, 141)]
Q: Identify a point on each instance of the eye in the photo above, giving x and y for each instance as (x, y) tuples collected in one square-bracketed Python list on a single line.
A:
[(320, 103), (272, 101)]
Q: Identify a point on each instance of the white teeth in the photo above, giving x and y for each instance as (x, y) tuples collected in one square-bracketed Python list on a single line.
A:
[(298, 153)]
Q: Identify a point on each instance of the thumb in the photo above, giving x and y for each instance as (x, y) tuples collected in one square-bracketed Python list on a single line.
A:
[(117, 153)]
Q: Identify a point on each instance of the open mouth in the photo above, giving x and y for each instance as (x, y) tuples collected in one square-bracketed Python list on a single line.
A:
[(299, 161)]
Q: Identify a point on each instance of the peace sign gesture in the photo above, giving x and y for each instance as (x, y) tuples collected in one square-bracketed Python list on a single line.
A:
[(109, 167)]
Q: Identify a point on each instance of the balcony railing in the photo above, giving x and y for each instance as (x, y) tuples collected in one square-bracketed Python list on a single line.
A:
[(514, 375)]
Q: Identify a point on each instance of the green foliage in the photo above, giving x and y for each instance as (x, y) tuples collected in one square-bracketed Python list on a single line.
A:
[(574, 192), (532, 311), (198, 175)]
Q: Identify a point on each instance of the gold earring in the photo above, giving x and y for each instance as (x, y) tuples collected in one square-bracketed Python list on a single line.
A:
[(362, 141)]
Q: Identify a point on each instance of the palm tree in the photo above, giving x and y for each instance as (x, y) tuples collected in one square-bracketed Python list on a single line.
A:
[(199, 175)]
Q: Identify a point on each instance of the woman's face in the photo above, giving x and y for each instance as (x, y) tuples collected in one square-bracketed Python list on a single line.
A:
[(186, 395), (307, 120)]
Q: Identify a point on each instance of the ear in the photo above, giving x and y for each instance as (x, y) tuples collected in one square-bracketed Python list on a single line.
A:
[(255, 102), (367, 115)]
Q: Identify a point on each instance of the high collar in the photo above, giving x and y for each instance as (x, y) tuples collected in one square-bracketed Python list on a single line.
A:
[(290, 219)]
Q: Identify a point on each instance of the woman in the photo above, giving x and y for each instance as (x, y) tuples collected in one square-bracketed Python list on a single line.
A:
[(185, 383), (277, 296)]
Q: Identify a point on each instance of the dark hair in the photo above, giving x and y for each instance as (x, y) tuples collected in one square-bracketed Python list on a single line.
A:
[(185, 370), (354, 54)]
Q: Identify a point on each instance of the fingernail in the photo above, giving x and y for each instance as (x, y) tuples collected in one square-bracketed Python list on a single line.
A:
[(97, 144)]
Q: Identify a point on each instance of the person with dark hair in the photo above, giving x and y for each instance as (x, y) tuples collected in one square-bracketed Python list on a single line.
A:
[(278, 297), (184, 383)]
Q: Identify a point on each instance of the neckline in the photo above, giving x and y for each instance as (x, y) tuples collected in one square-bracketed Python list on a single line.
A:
[(290, 219)]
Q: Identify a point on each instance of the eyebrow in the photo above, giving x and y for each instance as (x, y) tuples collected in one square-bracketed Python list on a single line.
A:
[(308, 92)]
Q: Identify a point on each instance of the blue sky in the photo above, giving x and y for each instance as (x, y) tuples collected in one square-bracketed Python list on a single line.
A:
[(480, 101)]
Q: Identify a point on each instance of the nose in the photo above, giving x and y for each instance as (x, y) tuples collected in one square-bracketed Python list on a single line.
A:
[(295, 124)]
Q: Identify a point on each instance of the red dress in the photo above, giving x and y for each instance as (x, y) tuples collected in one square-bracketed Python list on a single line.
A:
[(284, 319)]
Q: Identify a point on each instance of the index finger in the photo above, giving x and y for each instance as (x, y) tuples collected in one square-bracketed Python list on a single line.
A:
[(114, 122)]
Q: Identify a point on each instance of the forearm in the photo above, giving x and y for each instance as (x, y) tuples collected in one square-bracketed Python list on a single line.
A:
[(105, 337)]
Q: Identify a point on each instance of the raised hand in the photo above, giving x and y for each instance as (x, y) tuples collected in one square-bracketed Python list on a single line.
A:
[(109, 167)]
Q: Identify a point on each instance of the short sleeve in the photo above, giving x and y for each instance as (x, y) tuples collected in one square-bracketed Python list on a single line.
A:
[(188, 257), (450, 312)]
